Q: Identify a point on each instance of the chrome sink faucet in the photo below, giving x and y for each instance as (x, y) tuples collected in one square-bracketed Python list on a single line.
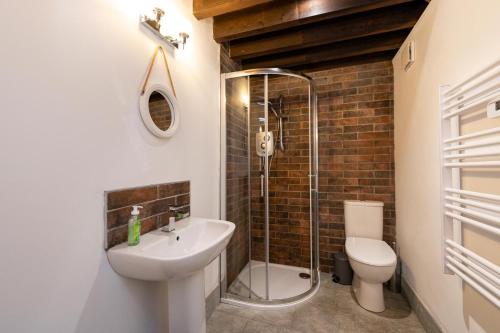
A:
[(171, 221)]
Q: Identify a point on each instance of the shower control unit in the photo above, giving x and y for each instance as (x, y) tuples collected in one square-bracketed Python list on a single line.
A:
[(260, 143)]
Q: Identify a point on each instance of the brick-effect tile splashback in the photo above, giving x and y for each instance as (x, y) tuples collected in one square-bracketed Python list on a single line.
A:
[(156, 200)]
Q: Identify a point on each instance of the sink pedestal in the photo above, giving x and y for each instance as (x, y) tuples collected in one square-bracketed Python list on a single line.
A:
[(186, 304)]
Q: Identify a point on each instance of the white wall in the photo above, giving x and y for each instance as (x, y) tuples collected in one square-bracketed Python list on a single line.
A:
[(70, 73), (454, 39)]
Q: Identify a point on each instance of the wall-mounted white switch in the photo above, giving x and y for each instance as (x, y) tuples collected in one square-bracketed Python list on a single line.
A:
[(493, 109)]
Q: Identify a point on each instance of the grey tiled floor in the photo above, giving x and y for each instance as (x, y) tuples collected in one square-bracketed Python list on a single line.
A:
[(333, 309)]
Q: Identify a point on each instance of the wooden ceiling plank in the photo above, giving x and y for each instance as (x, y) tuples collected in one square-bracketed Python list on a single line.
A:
[(209, 8), (279, 15), (340, 50), (375, 22)]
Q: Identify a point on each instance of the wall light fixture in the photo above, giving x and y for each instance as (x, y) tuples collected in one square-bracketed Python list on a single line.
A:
[(153, 24)]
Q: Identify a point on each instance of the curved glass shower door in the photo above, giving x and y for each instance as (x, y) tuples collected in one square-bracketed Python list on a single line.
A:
[(269, 187)]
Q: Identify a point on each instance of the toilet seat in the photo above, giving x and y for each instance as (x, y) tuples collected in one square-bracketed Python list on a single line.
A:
[(369, 251)]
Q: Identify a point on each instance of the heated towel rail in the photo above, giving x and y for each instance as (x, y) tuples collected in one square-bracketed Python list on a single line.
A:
[(476, 152)]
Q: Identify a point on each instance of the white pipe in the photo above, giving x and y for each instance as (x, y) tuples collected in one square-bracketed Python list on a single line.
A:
[(472, 96), (472, 212), (475, 266), (469, 155), (474, 144), (494, 208), (473, 135), (479, 225), (474, 255), (466, 270), (474, 285), (486, 196), (484, 164), (484, 100)]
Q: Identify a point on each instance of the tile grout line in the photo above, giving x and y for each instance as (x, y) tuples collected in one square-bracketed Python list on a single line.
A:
[(145, 186), (148, 202)]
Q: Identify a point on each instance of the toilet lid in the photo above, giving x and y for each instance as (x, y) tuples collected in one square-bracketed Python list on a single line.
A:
[(370, 251)]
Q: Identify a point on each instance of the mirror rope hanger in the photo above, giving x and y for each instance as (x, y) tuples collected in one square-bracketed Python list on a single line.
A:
[(150, 67)]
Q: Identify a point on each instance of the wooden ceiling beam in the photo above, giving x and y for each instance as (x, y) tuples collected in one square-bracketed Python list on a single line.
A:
[(367, 24), (336, 51), (209, 8), (278, 15)]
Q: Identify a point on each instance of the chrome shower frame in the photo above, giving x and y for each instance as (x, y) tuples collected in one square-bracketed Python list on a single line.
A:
[(313, 188)]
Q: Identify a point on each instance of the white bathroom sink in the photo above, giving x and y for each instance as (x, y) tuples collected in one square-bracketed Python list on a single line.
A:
[(177, 260), (161, 256)]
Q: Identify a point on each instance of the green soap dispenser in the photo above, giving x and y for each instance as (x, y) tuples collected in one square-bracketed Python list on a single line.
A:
[(134, 227)]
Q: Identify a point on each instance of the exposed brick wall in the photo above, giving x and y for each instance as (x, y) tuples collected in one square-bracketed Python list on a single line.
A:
[(226, 63), (236, 169), (356, 147), (356, 154)]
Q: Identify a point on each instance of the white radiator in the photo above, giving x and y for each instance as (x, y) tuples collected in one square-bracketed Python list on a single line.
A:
[(476, 99)]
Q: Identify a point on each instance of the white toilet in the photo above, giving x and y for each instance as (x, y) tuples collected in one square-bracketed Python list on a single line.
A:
[(372, 260)]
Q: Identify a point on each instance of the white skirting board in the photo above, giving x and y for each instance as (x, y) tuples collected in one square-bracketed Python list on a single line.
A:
[(430, 323)]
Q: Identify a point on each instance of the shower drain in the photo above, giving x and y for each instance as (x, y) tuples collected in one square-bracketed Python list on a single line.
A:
[(305, 275)]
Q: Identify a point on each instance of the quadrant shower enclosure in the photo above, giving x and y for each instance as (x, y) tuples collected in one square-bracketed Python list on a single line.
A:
[(269, 187)]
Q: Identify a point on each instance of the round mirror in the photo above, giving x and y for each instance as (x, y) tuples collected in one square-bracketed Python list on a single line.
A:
[(158, 111)]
